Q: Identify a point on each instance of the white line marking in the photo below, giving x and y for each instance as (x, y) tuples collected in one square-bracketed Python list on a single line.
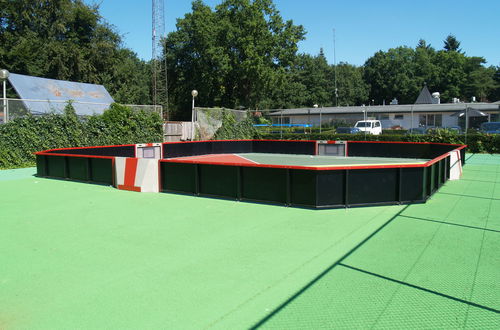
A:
[(252, 161)]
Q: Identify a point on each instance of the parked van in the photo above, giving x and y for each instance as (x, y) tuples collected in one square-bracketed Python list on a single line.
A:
[(369, 126)]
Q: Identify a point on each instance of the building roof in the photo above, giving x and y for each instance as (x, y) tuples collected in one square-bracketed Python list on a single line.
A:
[(443, 107), (32, 90), (424, 97)]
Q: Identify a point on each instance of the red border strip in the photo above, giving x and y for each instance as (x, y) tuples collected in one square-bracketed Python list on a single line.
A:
[(406, 142), (44, 153), (189, 161), (91, 147)]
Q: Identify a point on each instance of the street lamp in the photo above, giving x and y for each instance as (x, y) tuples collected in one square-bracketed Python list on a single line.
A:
[(194, 93), (4, 74), (315, 107)]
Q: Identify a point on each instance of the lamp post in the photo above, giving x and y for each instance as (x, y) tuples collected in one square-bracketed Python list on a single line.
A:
[(4, 74), (194, 93), (315, 107), (364, 120)]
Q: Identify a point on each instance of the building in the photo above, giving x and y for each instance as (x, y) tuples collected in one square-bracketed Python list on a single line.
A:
[(427, 112)]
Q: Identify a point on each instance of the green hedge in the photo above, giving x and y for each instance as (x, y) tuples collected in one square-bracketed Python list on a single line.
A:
[(477, 143), (21, 137)]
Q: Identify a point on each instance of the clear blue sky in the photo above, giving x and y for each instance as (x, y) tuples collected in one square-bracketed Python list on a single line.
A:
[(362, 26)]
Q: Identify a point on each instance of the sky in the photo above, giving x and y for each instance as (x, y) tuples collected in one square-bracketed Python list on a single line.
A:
[(362, 27)]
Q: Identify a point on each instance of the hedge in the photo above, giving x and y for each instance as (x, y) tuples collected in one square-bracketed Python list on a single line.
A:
[(21, 137), (477, 143)]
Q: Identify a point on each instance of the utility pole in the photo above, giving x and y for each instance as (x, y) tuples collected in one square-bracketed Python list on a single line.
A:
[(335, 70), (159, 57)]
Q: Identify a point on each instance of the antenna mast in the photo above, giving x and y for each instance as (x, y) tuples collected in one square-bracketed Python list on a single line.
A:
[(159, 58), (335, 70)]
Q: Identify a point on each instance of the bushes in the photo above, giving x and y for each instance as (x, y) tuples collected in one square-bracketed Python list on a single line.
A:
[(21, 137), (477, 143)]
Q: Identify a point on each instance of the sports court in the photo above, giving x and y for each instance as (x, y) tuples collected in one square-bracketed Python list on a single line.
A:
[(297, 160), (91, 256)]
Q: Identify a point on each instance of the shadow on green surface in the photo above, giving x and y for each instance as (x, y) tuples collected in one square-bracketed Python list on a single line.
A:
[(325, 272)]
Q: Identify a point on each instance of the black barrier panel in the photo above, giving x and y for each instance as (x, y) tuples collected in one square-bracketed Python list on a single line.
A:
[(186, 149), (173, 150), (428, 180), (118, 151), (435, 168), (56, 167), (331, 190), (218, 180), (462, 155), (102, 170), (179, 177), (285, 147), (432, 180), (77, 168), (413, 184), (231, 147), (41, 165), (393, 150), (202, 148), (372, 186), (264, 184), (303, 187)]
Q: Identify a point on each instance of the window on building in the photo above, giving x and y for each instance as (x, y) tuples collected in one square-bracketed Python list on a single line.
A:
[(422, 120), (438, 120), (281, 120), (398, 117), (383, 117), (431, 120)]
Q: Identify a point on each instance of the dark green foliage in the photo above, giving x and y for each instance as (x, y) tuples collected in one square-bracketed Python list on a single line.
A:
[(451, 44), (402, 72), (69, 40), (119, 125), (235, 55)]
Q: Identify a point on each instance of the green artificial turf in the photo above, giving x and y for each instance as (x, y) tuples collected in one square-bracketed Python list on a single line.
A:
[(75, 255), (435, 265)]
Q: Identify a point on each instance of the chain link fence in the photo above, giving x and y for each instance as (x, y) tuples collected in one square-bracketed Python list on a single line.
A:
[(11, 109), (214, 123)]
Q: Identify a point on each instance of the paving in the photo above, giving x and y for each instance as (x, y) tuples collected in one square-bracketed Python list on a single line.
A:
[(76, 255)]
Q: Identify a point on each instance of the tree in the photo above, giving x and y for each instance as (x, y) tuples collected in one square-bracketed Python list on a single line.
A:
[(312, 73), (235, 55), (451, 44), (352, 89), (68, 40), (392, 74), (495, 93), (422, 44)]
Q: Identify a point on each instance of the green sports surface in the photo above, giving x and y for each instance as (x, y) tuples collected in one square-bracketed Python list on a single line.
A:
[(304, 160), (76, 255)]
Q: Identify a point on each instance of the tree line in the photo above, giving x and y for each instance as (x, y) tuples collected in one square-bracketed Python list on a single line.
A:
[(240, 54)]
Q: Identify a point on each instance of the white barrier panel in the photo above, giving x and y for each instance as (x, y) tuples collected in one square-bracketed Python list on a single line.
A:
[(137, 174), (455, 165), (148, 150)]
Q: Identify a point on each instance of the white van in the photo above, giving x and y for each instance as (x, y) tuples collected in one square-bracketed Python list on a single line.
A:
[(369, 126)]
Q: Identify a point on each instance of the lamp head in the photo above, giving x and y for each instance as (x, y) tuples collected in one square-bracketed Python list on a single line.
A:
[(4, 74)]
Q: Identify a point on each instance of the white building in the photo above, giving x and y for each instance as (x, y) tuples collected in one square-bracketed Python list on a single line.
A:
[(426, 112)]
